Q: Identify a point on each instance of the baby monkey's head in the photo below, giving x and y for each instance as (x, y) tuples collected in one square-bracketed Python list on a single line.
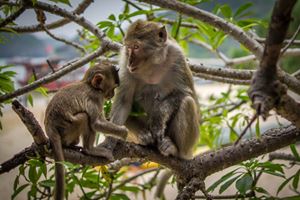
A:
[(103, 77), (142, 40)]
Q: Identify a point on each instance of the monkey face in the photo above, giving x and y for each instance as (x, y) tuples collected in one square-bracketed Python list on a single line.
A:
[(142, 41)]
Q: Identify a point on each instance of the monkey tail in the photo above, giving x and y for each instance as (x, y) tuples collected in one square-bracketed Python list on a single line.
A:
[(59, 191), (162, 182)]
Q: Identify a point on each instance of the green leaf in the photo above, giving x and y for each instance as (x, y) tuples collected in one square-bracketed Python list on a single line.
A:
[(133, 189), (16, 182), (32, 174), (47, 183), (30, 99), (283, 184), (261, 190), (226, 11), (296, 180), (42, 90), (227, 184), (104, 24), (112, 17), (294, 151), (67, 2), (17, 191), (257, 128), (117, 196), (222, 179), (242, 8), (244, 184), (136, 13)]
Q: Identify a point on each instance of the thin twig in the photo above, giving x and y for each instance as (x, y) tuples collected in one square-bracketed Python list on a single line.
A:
[(35, 28), (133, 5), (41, 17), (73, 44), (234, 107), (246, 128), (222, 79), (263, 40), (291, 41), (233, 196), (50, 65)]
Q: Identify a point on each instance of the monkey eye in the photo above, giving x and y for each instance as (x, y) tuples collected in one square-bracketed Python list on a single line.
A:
[(136, 46)]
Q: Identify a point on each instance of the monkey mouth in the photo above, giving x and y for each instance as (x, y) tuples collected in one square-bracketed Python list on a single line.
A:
[(132, 66)]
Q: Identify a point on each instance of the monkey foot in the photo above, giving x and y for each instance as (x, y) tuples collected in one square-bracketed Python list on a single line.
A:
[(167, 147), (146, 138)]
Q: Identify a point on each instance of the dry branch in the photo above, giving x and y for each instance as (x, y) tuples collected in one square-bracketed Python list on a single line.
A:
[(200, 167), (266, 91), (35, 28)]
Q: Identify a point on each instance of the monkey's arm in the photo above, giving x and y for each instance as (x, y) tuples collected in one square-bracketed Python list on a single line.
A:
[(110, 128), (122, 102)]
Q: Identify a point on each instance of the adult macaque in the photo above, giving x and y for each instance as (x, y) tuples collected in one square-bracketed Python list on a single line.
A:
[(155, 76), (75, 111)]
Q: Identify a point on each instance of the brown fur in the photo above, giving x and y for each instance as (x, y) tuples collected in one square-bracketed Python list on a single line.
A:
[(155, 75), (75, 111)]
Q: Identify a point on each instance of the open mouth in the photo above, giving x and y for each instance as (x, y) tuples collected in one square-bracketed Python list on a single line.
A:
[(132, 66)]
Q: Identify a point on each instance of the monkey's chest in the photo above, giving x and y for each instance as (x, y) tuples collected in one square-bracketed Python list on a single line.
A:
[(147, 95)]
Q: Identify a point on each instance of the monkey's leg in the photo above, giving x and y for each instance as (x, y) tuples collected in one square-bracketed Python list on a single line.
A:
[(80, 126), (139, 132), (184, 128), (163, 112)]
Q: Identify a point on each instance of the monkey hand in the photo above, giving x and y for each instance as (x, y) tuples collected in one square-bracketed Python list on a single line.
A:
[(124, 132), (167, 147), (145, 138)]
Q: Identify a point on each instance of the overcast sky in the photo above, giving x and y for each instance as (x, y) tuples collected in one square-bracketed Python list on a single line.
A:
[(97, 11)]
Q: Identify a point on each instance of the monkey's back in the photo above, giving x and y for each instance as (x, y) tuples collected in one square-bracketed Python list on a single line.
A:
[(67, 102)]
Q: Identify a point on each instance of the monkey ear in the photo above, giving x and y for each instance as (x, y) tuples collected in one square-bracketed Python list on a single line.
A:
[(162, 34), (96, 81)]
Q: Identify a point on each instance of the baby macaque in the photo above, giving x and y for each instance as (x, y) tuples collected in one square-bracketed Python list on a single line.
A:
[(76, 110)]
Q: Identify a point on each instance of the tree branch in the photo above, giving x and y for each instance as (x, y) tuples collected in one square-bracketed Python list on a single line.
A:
[(35, 28), (53, 76), (222, 79), (266, 90), (291, 40), (41, 17), (106, 45), (213, 20), (200, 167), (12, 17)]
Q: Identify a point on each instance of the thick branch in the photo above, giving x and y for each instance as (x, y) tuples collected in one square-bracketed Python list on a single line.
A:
[(201, 166), (271, 140), (35, 28), (31, 123), (213, 20), (289, 109), (266, 90)]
